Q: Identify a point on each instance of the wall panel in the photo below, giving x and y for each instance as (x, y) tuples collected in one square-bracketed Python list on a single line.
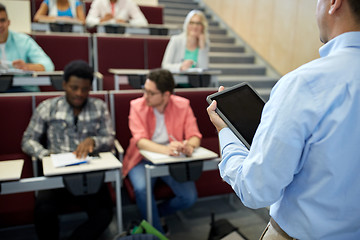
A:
[(283, 32)]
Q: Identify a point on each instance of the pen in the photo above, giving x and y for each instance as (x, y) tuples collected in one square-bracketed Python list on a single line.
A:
[(174, 139)]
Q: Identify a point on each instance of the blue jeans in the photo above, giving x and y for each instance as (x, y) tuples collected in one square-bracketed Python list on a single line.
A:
[(185, 194)]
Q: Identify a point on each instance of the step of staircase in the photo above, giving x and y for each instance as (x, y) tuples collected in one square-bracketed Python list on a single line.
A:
[(226, 54), (179, 12), (217, 31), (177, 1), (224, 47), (182, 8), (180, 20), (254, 81), (239, 69), (216, 38), (223, 57), (180, 5)]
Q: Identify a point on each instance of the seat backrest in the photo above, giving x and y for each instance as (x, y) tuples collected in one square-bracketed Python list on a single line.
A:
[(16, 113), (197, 97), (35, 4), (155, 49), (116, 51), (63, 48), (120, 109), (153, 14)]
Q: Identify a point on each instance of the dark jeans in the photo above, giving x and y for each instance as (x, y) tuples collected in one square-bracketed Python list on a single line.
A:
[(50, 203)]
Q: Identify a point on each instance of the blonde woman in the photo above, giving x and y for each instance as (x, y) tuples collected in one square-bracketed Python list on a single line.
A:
[(60, 9), (190, 48)]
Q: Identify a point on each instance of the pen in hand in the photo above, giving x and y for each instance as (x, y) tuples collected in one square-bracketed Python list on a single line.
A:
[(176, 151)]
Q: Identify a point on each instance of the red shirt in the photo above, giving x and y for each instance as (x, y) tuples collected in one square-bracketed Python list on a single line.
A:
[(179, 120)]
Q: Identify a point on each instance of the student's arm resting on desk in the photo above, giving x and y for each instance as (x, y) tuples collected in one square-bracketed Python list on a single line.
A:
[(30, 55)]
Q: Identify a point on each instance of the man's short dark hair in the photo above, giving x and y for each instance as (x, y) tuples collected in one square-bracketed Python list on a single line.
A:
[(2, 7), (80, 69), (163, 79), (355, 7)]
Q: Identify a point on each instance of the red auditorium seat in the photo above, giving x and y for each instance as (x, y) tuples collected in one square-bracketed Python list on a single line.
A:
[(116, 51), (15, 209), (62, 48), (154, 14), (155, 51)]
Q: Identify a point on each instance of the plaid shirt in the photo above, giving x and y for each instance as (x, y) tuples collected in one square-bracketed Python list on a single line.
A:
[(54, 117)]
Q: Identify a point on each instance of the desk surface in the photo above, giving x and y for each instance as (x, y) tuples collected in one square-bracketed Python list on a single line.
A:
[(106, 161), (11, 170), (200, 153), (146, 71)]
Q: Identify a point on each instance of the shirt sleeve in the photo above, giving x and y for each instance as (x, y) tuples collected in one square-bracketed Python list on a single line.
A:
[(137, 125), (31, 141), (137, 18), (203, 57), (36, 55), (260, 176), (94, 15), (104, 139), (168, 61), (191, 127)]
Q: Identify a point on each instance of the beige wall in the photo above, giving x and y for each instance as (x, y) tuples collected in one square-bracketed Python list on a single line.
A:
[(283, 32), (19, 14)]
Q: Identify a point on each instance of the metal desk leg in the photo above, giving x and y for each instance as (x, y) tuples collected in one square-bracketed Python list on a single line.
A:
[(148, 193), (116, 82), (118, 201)]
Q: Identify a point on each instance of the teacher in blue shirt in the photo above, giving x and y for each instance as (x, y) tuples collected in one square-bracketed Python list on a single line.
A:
[(305, 155)]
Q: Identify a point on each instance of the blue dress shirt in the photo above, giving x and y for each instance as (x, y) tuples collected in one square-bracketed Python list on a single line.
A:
[(305, 156)]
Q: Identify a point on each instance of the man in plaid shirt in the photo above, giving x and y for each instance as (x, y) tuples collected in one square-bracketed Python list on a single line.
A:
[(71, 123)]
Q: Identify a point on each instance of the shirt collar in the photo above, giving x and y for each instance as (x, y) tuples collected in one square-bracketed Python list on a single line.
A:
[(348, 39)]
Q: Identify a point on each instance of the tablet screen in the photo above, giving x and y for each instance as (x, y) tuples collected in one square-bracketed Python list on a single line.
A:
[(240, 107)]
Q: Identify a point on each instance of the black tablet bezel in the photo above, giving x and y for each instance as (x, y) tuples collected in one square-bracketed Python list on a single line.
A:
[(237, 88)]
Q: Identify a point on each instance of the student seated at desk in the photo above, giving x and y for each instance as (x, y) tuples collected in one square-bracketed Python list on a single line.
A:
[(60, 10), (118, 11), (71, 123), (164, 123), (20, 51), (190, 48)]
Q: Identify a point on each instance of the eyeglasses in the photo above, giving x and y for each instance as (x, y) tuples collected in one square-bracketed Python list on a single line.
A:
[(150, 93), (195, 23)]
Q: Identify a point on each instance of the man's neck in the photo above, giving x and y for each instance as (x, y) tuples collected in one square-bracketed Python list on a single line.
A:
[(3, 38)]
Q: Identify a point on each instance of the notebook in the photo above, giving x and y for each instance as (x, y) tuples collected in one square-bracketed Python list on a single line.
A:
[(240, 107)]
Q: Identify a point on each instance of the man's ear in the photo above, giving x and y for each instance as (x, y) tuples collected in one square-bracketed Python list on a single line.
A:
[(167, 94), (335, 5)]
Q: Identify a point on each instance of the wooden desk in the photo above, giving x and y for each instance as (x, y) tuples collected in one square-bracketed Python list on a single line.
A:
[(158, 170), (195, 78), (150, 29), (11, 170), (54, 179), (55, 79)]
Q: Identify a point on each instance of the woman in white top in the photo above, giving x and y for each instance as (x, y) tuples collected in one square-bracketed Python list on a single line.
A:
[(120, 11), (60, 10), (190, 48)]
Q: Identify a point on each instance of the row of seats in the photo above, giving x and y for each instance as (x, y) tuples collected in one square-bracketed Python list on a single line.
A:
[(104, 51), (17, 209), (153, 14)]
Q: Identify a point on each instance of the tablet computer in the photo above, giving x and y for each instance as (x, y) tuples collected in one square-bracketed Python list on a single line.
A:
[(240, 107)]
